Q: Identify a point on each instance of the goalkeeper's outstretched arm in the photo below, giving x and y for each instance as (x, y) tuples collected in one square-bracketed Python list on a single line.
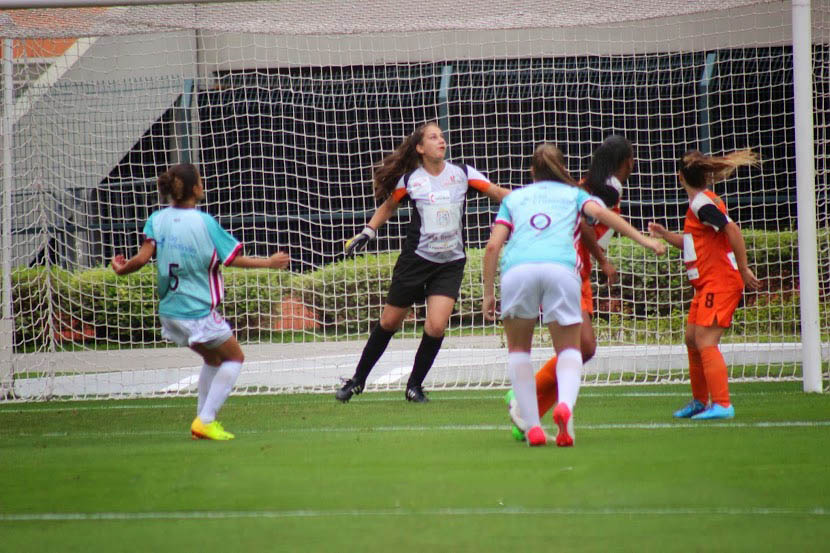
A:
[(358, 242)]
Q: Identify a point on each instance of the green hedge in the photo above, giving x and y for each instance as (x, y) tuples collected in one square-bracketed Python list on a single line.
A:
[(123, 310), (654, 286), (653, 293), (346, 297)]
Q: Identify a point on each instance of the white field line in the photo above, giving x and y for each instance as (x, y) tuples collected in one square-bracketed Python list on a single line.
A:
[(288, 399), (441, 512), (691, 425)]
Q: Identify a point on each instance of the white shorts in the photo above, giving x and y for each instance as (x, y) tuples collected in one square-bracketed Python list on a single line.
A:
[(211, 331), (554, 288)]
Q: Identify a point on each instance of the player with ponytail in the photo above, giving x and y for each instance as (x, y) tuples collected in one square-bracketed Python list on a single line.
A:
[(540, 267), (190, 246), (714, 253), (431, 265), (611, 165), (403, 160)]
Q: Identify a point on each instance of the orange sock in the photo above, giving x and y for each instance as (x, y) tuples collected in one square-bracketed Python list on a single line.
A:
[(546, 386), (717, 375), (699, 389)]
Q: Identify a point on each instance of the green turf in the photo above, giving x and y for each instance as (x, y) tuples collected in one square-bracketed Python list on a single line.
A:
[(378, 474)]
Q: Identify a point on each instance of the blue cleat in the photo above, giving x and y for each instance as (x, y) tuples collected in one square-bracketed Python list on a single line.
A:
[(716, 411), (689, 410), (513, 410)]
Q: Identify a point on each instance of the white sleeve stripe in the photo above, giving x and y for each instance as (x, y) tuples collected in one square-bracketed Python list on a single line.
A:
[(474, 174), (700, 200), (591, 199)]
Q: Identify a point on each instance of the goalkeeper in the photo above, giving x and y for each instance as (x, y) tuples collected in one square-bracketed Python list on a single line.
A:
[(190, 245), (431, 265)]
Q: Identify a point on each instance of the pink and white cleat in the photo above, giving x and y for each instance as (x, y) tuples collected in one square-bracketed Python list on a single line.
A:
[(536, 436), (564, 420)]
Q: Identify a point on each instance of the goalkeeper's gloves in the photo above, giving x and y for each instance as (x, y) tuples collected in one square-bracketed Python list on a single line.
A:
[(359, 241)]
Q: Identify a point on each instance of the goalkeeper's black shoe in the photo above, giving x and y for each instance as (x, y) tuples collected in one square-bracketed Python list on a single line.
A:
[(416, 394), (350, 388)]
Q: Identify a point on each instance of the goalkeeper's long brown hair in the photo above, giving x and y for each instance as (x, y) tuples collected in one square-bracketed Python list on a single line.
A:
[(404, 159), (548, 163), (701, 171)]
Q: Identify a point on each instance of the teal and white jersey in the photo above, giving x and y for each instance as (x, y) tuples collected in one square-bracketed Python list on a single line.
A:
[(190, 247), (544, 220)]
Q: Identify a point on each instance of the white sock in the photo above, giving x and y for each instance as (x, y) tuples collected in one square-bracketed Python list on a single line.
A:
[(569, 376), (205, 378), (219, 390), (520, 371)]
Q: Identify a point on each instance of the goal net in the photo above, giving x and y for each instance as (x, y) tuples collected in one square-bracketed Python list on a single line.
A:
[(286, 106)]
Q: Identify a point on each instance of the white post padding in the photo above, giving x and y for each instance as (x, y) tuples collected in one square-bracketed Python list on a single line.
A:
[(806, 194), (6, 322)]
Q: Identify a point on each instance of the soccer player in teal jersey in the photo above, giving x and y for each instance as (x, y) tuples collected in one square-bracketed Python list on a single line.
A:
[(190, 247), (540, 268)]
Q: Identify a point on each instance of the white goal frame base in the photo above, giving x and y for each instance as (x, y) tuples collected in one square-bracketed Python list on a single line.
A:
[(287, 368)]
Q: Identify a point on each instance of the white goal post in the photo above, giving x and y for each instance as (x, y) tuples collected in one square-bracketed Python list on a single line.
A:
[(286, 106)]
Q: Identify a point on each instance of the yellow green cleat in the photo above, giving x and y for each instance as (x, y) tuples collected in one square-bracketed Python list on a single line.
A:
[(210, 431)]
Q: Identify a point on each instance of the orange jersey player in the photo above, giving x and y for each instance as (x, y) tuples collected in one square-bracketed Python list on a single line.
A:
[(714, 253), (597, 236)]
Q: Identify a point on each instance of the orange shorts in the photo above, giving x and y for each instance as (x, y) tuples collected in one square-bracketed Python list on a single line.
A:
[(587, 297), (709, 306)]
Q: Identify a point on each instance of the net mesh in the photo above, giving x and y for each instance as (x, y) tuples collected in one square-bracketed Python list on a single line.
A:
[(285, 107)]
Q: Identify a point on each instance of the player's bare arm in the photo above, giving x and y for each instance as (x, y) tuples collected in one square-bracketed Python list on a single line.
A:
[(659, 231), (498, 237), (383, 213), (496, 192), (608, 217), (279, 260), (123, 266)]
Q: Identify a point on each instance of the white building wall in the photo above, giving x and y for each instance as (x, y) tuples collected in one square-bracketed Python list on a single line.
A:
[(81, 117)]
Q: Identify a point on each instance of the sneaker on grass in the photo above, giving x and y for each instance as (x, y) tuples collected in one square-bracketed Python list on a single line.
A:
[(518, 425), (716, 411), (416, 394), (536, 436), (563, 418), (350, 388), (210, 431), (689, 410)]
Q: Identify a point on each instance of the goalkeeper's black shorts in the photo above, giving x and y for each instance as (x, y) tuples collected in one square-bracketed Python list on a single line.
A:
[(414, 279)]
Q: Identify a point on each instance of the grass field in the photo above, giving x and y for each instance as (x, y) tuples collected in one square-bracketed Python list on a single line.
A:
[(378, 474)]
